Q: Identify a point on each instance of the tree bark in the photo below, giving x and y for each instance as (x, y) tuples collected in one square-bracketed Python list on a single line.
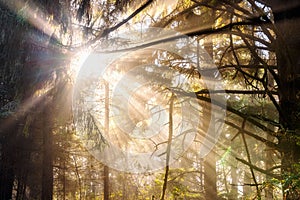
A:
[(168, 151), (106, 182), (47, 171), (7, 173), (287, 24), (105, 168)]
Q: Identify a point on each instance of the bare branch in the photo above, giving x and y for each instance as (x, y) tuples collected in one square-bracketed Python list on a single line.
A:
[(240, 129), (263, 171)]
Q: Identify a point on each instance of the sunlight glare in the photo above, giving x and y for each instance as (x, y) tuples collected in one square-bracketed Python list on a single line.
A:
[(77, 61)]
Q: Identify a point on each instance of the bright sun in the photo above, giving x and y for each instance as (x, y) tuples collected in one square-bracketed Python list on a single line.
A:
[(77, 61)]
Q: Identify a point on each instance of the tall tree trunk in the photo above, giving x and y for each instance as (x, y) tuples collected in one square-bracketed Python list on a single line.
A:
[(168, 151), (269, 163), (105, 168), (47, 171), (210, 176), (287, 22), (234, 177), (64, 180), (209, 163), (8, 157), (6, 173), (78, 177), (106, 182)]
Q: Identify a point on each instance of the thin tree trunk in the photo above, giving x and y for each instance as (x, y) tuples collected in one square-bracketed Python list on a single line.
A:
[(106, 182), (269, 151), (106, 169), (64, 180), (168, 148), (268, 190), (78, 177), (234, 176)]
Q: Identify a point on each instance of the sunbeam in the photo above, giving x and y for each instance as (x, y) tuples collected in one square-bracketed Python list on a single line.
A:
[(147, 99), (30, 12)]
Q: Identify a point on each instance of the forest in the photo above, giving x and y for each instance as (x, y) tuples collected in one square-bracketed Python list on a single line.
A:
[(149, 99)]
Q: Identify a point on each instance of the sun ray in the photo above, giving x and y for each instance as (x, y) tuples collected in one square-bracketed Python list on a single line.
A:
[(34, 15), (23, 108)]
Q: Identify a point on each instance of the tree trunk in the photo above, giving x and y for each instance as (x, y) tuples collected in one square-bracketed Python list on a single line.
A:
[(6, 173), (78, 177), (269, 165), (209, 163), (47, 171), (168, 151), (105, 168), (287, 22), (8, 157), (210, 177), (234, 177), (106, 182)]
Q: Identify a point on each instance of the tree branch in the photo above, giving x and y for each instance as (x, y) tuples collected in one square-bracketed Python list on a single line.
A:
[(206, 31), (258, 169), (228, 108), (105, 32), (245, 92), (265, 141), (249, 158)]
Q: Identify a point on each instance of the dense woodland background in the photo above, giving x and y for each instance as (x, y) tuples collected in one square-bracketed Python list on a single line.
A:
[(255, 46)]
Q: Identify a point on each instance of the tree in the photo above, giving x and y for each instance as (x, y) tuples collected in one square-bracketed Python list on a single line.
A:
[(287, 51), (242, 57), (254, 45)]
